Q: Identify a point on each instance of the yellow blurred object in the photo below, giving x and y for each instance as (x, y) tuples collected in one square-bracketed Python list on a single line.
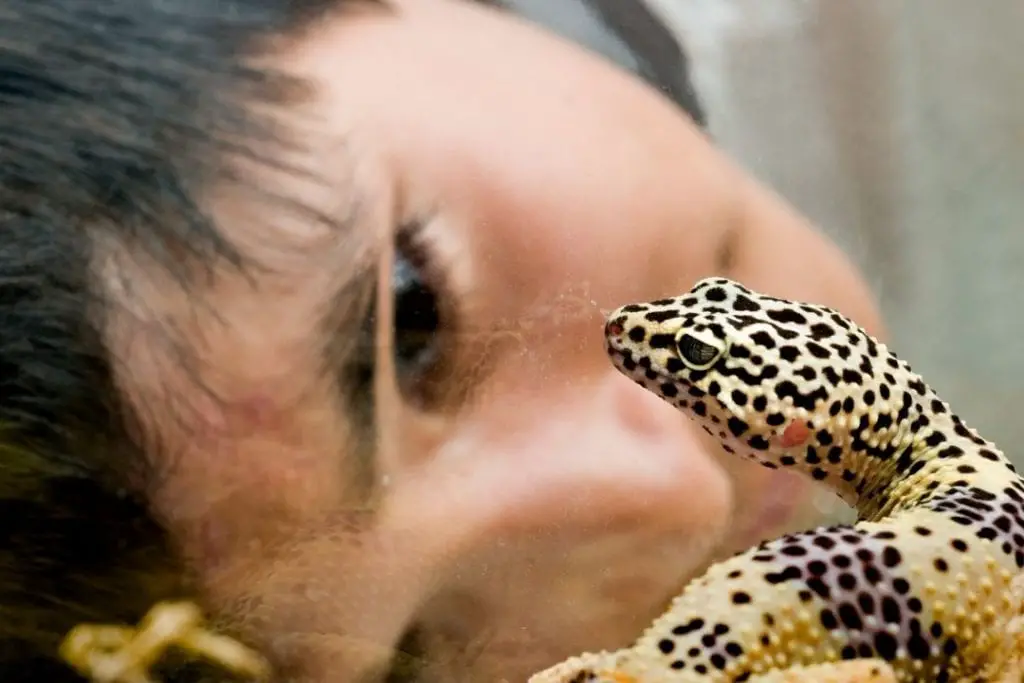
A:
[(122, 654)]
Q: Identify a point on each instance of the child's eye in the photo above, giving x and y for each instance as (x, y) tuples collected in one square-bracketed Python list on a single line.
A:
[(417, 318), (421, 325), (421, 315)]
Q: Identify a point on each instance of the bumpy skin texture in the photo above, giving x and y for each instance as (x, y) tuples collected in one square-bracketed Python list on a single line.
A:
[(918, 588)]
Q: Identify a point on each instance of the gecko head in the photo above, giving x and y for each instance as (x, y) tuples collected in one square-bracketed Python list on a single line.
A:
[(777, 381)]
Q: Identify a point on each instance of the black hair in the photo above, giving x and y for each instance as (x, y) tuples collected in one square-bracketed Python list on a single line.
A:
[(112, 114), (660, 56), (627, 32)]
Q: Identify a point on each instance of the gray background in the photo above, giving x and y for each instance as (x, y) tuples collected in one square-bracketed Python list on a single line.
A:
[(898, 127)]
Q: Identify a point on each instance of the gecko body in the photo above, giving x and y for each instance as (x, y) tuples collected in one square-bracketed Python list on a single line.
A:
[(919, 586)]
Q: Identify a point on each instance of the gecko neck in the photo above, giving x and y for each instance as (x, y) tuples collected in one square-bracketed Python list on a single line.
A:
[(930, 441)]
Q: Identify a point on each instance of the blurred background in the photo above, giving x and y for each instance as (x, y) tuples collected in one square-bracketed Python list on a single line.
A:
[(898, 127)]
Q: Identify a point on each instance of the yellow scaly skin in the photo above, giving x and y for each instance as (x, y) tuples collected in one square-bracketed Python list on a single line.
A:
[(917, 590)]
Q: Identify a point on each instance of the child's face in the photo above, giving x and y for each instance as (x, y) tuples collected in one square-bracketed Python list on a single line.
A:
[(526, 501)]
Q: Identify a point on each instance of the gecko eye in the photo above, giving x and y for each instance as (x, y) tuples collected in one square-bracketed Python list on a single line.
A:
[(699, 352)]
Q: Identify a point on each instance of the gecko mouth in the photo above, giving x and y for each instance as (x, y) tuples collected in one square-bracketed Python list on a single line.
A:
[(651, 378)]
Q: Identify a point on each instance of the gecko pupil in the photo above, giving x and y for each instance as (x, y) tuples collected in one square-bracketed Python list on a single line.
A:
[(695, 352)]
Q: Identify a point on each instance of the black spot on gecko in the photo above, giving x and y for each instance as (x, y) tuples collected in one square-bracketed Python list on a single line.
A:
[(819, 587), (852, 376), (886, 646), (763, 339), (918, 387), (821, 331), (662, 341), (787, 389), (661, 315), (850, 617), (745, 303), (740, 598), (891, 557), (758, 442), (637, 334), (789, 353), (788, 574), (737, 426), (674, 365), (715, 294), (689, 627), (786, 316)]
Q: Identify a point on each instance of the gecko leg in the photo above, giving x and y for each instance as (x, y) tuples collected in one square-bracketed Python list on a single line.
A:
[(850, 671), (607, 668), (592, 667)]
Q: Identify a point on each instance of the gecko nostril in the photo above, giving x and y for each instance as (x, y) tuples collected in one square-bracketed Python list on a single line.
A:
[(614, 328)]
